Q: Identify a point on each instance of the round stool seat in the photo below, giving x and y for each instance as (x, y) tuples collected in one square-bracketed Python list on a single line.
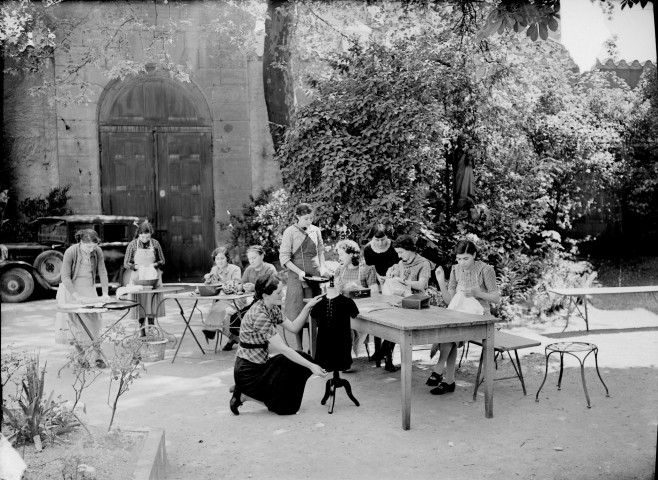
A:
[(575, 349), (571, 347)]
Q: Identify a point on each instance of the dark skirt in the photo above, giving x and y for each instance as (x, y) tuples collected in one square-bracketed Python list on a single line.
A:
[(279, 383)]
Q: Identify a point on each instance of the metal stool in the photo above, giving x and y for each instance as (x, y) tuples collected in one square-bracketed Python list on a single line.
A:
[(573, 349)]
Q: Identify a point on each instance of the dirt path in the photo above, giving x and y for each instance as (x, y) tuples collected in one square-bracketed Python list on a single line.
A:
[(556, 438)]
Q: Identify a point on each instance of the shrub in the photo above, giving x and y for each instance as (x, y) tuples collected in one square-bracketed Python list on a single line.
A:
[(262, 222), (29, 414), (19, 229)]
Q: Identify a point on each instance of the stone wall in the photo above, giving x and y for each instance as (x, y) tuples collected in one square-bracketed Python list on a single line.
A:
[(61, 145)]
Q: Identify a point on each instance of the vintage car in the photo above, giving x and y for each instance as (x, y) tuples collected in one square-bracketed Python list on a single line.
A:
[(25, 264)]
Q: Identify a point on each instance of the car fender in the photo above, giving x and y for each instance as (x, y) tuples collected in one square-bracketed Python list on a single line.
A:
[(7, 264)]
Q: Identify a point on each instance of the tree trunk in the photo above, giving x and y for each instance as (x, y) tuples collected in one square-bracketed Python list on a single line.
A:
[(277, 71)]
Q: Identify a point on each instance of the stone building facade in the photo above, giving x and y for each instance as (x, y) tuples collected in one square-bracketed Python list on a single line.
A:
[(183, 154)]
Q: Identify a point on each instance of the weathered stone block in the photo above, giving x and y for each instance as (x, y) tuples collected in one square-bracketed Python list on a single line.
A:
[(229, 94), (224, 112), (233, 76)]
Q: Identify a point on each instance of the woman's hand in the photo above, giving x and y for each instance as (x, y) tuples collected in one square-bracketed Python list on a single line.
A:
[(301, 276), (206, 276), (473, 292), (249, 287), (314, 301), (105, 298), (440, 274), (318, 370)]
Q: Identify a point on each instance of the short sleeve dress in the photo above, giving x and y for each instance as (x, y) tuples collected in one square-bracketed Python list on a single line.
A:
[(334, 341)]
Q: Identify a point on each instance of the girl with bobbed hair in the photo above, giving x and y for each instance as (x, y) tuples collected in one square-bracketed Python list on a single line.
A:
[(81, 264), (302, 253), (471, 288), (144, 254), (410, 275), (351, 273), (267, 370), (219, 315)]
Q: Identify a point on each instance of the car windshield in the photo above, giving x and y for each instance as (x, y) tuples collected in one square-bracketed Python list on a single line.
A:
[(52, 232)]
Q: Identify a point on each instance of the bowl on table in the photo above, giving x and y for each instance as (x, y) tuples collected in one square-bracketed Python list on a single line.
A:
[(209, 290), (146, 283)]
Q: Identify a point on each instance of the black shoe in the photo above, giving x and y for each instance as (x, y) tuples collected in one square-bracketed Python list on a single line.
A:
[(389, 367), (235, 402), (443, 388), (434, 380), (100, 363), (228, 346), (209, 334)]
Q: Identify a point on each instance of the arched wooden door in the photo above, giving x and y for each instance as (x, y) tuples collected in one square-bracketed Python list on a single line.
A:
[(156, 162)]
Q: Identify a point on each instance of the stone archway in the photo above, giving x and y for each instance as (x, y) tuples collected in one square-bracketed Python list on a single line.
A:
[(156, 162)]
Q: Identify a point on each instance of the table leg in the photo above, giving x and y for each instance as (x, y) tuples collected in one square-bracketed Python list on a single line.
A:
[(405, 357), (91, 337), (488, 353), (187, 327), (569, 308)]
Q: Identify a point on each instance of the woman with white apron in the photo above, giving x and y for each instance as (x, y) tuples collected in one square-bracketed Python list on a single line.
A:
[(472, 287), (81, 264), (144, 256), (302, 253)]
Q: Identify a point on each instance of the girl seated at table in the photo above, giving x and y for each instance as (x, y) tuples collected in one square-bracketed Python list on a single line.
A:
[(218, 318), (351, 273), (410, 275), (472, 287)]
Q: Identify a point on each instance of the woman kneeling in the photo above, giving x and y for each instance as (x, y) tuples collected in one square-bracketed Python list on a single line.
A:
[(277, 381)]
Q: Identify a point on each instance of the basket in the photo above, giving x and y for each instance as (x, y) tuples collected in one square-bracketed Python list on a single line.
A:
[(153, 345)]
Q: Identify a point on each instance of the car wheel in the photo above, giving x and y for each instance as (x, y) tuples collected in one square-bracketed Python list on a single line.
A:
[(16, 285), (49, 266)]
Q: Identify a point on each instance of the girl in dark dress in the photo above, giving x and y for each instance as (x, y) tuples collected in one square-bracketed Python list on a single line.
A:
[(277, 382), (381, 254)]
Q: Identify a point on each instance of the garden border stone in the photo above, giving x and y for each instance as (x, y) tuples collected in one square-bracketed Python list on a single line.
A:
[(152, 463)]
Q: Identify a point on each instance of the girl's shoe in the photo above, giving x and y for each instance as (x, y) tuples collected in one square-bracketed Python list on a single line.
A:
[(434, 380), (443, 388), (235, 402), (389, 367), (228, 346)]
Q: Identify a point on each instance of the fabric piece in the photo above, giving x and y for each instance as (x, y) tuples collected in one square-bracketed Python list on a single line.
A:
[(334, 338)]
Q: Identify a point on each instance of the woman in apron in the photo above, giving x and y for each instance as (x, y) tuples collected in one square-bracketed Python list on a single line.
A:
[(81, 264), (145, 252), (471, 288), (302, 253)]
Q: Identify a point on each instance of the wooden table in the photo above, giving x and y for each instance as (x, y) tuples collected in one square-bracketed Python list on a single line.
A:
[(581, 293), (407, 327), (196, 297)]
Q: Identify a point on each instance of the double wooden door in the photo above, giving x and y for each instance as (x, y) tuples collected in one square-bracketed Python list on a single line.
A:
[(164, 175)]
